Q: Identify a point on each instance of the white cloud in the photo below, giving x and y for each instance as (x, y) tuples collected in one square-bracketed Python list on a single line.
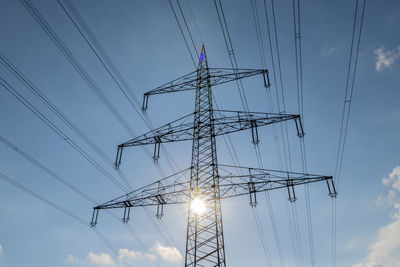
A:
[(103, 259), (327, 51), (385, 58), (72, 259), (1, 249), (170, 254), (385, 201), (124, 255), (393, 179), (150, 256), (385, 251)]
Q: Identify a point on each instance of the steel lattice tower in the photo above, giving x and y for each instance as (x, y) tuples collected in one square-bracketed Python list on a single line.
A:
[(205, 238)]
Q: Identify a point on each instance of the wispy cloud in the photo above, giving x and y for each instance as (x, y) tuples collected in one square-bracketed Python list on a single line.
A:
[(385, 251), (126, 256), (103, 259), (130, 256), (1, 249), (72, 259), (170, 254), (385, 58)]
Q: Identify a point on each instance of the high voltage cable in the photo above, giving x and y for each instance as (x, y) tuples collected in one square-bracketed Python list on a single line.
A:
[(89, 37), (187, 27), (60, 209), (82, 72), (348, 97), (299, 85), (60, 133), (183, 35), (42, 97), (286, 147), (256, 20), (233, 61), (228, 43), (67, 184), (112, 70), (47, 170), (229, 46), (349, 92), (262, 236)]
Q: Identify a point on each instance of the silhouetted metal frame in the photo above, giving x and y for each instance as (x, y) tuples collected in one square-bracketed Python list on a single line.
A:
[(205, 239)]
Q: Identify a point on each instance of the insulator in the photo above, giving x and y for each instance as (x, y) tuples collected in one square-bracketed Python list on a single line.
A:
[(119, 156), (299, 127), (95, 215), (252, 194), (157, 145), (331, 188), (254, 132), (145, 102), (127, 212), (291, 192)]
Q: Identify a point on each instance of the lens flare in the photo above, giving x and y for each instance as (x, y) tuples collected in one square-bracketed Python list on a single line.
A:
[(198, 206)]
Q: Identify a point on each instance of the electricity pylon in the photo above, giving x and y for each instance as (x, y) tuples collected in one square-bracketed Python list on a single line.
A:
[(209, 181)]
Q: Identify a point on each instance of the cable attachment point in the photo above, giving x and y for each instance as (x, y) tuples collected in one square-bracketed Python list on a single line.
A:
[(145, 102), (267, 83), (127, 212), (161, 201), (254, 132), (331, 188), (119, 157), (290, 189), (252, 192), (299, 127), (95, 215), (157, 145)]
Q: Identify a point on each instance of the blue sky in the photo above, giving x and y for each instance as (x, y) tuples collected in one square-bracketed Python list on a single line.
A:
[(144, 42)]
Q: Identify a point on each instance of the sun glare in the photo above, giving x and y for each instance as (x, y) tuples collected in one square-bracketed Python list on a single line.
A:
[(198, 206)]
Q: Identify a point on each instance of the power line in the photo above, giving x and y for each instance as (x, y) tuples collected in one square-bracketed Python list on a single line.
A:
[(112, 70), (60, 209), (60, 133), (81, 71), (183, 35), (89, 37), (300, 104), (69, 185), (45, 100), (348, 97)]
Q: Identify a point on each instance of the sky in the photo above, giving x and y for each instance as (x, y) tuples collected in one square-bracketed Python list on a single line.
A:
[(145, 44)]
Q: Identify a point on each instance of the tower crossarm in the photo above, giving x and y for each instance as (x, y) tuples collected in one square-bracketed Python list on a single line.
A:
[(175, 189), (225, 122), (217, 76)]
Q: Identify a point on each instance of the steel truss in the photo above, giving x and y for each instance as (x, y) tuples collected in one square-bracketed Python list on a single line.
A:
[(209, 181)]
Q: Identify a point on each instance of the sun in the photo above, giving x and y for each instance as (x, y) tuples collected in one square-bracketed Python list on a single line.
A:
[(198, 206)]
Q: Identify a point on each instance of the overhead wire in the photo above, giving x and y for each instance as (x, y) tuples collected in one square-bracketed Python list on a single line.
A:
[(89, 37), (348, 97), (60, 133), (257, 25), (70, 186), (285, 144), (73, 14), (45, 100), (60, 209), (296, 12), (183, 35), (82, 72)]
